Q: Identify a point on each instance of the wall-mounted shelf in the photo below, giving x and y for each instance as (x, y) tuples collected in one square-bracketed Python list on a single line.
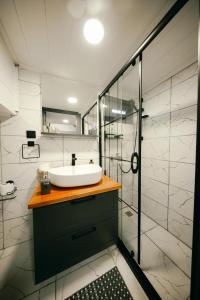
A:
[(113, 136), (69, 135)]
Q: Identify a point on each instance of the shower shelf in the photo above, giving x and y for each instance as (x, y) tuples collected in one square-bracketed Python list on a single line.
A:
[(113, 136)]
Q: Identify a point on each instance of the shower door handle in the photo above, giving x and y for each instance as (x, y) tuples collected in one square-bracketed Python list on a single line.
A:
[(133, 156)]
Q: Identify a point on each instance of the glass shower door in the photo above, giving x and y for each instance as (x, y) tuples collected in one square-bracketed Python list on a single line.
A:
[(120, 118), (129, 164)]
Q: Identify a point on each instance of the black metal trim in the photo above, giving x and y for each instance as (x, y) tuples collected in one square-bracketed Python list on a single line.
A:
[(100, 130), (195, 272), (60, 111), (139, 159), (139, 274), (28, 145), (87, 113), (159, 27)]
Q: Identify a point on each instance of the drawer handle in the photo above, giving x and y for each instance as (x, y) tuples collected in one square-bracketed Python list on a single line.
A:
[(76, 202), (83, 233)]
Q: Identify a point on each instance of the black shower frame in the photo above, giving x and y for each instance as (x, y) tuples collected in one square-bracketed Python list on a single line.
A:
[(195, 274), (85, 115)]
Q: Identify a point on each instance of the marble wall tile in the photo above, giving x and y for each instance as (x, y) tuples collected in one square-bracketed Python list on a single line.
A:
[(160, 88), (48, 292), (34, 296), (182, 175), (154, 210), (17, 272), (168, 280), (17, 207), (155, 190), (181, 201), (183, 121), (185, 74), (1, 235), (127, 148), (84, 148), (178, 252), (17, 230), (156, 148), (24, 120), (158, 105), (184, 94), (12, 150), (183, 148), (181, 227), (156, 127), (51, 149), (114, 169), (24, 175), (155, 169)]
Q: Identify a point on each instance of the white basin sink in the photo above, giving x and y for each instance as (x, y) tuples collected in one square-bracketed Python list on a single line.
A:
[(78, 175)]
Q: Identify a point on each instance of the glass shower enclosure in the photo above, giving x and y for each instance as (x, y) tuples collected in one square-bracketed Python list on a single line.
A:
[(147, 129)]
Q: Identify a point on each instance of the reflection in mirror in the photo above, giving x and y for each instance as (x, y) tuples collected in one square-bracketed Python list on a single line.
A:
[(60, 121), (89, 121), (63, 115)]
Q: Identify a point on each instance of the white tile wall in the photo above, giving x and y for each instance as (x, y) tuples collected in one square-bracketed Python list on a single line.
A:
[(168, 152), (17, 230), (181, 227), (181, 201), (155, 169), (179, 253), (17, 207), (182, 175), (154, 210), (156, 127), (183, 121), (156, 150), (155, 190), (184, 94), (16, 254), (182, 148)]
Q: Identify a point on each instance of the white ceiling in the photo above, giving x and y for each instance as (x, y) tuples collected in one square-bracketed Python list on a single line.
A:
[(46, 36)]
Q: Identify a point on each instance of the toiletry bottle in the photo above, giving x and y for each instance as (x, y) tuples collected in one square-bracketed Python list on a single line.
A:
[(45, 185)]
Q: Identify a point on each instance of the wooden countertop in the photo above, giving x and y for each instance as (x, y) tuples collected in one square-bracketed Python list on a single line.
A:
[(66, 194)]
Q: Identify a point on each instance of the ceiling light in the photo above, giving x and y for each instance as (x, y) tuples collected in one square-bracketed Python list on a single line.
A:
[(72, 100), (65, 121), (119, 112), (93, 31)]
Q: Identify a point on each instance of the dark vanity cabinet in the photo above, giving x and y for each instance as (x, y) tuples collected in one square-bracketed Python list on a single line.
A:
[(68, 232)]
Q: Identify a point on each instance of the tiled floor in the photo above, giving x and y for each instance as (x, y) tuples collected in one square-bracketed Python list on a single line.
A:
[(165, 260), (73, 279)]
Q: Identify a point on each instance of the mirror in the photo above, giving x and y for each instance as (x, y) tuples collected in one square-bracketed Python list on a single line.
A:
[(68, 106)]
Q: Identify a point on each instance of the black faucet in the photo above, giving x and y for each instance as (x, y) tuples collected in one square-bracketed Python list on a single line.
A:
[(73, 159)]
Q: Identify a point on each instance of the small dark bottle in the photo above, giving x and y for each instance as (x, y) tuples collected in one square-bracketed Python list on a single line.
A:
[(45, 185)]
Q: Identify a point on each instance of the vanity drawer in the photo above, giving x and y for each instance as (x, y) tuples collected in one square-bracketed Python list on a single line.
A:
[(55, 220), (68, 249)]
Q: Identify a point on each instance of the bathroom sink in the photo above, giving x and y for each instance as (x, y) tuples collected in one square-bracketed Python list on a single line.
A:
[(71, 176)]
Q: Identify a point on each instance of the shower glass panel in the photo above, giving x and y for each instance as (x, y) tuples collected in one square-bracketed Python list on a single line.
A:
[(168, 154), (119, 111)]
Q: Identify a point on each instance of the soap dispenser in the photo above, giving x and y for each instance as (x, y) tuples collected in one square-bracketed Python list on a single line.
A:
[(45, 184)]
